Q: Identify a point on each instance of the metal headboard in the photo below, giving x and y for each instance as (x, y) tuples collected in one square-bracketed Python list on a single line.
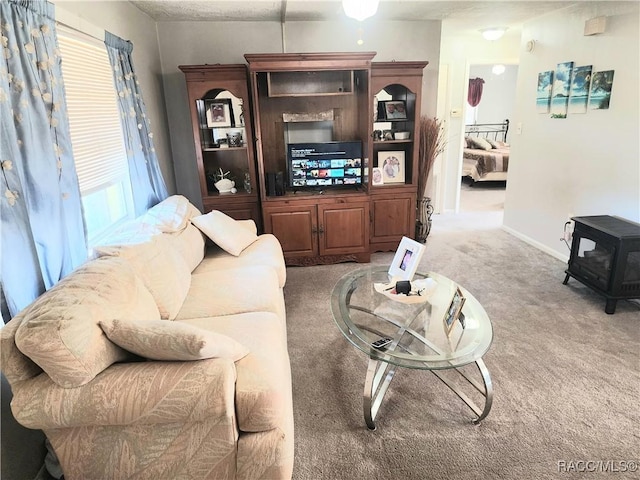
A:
[(494, 131)]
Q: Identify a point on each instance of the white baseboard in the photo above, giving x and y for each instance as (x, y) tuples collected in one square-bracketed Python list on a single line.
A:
[(535, 243)]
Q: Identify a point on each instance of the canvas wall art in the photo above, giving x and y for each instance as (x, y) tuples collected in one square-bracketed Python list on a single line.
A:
[(601, 84), (560, 91), (543, 96), (580, 82)]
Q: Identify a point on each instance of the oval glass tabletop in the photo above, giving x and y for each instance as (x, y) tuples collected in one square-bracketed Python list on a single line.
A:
[(418, 333)]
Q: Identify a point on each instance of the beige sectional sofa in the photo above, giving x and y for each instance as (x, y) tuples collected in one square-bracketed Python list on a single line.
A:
[(110, 413)]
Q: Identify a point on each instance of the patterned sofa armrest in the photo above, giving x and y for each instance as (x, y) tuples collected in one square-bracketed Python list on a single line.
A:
[(139, 393)]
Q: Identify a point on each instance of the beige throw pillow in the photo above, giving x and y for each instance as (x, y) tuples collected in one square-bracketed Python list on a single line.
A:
[(224, 231), (167, 340)]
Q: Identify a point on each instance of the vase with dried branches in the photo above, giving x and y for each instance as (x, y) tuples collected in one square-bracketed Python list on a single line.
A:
[(431, 144)]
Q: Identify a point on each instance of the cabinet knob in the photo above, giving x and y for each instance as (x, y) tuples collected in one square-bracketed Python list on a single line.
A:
[(321, 230)]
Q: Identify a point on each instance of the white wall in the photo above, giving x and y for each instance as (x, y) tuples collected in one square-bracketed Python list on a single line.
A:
[(586, 164), (196, 43), (129, 23), (189, 43), (498, 94)]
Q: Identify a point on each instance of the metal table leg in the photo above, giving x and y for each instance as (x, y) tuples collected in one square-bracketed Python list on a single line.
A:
[(379, 376), (486, 390)]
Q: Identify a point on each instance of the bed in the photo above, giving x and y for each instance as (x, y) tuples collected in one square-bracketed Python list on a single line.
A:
[(486, 152)]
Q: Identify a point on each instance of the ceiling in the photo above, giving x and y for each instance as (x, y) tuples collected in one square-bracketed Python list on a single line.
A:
[(479, 14)]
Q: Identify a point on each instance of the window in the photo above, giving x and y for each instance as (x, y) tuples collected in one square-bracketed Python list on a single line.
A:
[(96, 132)]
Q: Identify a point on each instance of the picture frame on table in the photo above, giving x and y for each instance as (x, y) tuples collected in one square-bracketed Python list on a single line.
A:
[(219, 113), (389, 110), (406, 260), (452, 315), (392, 165)]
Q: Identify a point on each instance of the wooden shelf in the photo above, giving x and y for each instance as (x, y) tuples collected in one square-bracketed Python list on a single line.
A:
[(382, 142), (310, 83), (228, 85), (239, 193), (218, 149)]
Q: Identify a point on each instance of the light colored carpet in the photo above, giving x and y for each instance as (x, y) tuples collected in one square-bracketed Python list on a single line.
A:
[(565, 373)]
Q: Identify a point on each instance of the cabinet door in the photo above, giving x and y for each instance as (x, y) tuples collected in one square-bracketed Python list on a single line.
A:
[(296, 228), (392, 218), (343, 228)]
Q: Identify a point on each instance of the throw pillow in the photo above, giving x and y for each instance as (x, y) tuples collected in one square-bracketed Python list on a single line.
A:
[(167, 340), (493, 143), (224, 231), (480, 143)]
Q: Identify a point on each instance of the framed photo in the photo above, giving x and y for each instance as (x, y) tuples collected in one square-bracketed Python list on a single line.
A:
[(392, 166), (405, 261), (453, 312), (392, 110), (219, 113), (376, 176)]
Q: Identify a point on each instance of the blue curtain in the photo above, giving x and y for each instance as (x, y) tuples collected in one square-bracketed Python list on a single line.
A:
[(42, 231), (146, 178)]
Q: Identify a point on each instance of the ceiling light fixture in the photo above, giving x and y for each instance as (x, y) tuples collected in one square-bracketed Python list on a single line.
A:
[(498, 69), (493, 33), (360, 9)]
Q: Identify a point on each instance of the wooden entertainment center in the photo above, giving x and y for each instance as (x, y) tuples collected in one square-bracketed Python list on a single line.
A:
[(315, 97)]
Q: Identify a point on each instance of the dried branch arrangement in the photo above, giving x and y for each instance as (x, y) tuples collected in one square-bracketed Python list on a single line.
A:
[(432, 143)]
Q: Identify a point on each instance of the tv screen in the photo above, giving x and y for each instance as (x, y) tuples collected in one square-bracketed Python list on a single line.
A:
[(322, 165)]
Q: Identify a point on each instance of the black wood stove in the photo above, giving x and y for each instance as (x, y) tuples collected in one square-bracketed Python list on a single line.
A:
[(605, 256)]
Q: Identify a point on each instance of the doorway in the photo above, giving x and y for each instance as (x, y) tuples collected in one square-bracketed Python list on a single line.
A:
[(493, 106)]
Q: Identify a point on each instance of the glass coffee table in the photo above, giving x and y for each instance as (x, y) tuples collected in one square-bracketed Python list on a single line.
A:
[(417, 331)]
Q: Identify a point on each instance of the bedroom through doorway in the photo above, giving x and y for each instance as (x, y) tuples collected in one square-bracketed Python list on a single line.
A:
[(485, 158)]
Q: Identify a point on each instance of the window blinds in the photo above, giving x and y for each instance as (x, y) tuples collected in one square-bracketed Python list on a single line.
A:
[(94, 118)]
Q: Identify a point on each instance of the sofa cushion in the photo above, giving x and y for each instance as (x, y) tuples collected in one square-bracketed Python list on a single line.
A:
[(60, 330), (263, 385), (190, 244), (264, 251), (166, 340), (162, 269), (224, 231), (15, 365), (170, 215), (227, 292)]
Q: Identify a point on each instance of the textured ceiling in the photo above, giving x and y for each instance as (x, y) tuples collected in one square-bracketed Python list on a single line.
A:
[(477, 13)]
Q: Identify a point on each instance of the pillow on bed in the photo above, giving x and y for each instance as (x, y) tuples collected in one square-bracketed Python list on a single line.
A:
[(493, 143), (480, 143)]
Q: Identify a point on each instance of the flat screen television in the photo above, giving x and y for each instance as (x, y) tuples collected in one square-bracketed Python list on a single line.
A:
[(324, 165)]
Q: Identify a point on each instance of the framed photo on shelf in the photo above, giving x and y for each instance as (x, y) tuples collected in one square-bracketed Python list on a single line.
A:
[(392, 110), (376, 176), (405, 261), (392, 166), (219, 113), (452, 314)]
